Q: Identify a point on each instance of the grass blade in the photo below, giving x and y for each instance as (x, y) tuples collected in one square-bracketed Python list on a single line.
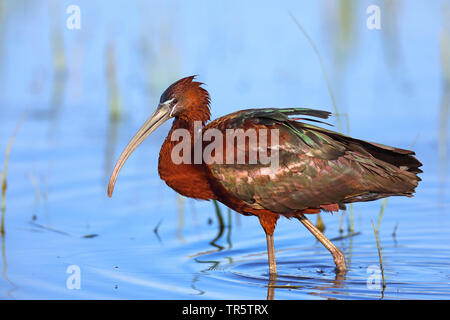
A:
[(325, 73), (380, 216), (5, 173), (379, 255)]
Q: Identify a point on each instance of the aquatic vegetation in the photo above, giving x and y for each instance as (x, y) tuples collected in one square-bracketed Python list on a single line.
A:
[(320, 224), (324, 70), (5, 174), (113, 87), (352, 219), (59, 62), (382, 208), (379, 255)]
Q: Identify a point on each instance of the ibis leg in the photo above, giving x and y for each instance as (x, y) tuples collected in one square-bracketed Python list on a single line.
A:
[(271, 286), (271, 254), (338, 257), (268, 222)]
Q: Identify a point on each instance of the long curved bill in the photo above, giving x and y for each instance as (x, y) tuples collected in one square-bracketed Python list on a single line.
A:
[(161, 115)]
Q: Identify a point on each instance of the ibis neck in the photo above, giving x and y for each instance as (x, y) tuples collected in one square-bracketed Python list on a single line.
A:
[(188, 124), (188, 179)]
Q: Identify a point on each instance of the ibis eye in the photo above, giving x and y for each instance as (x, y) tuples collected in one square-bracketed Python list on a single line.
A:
[(175, 101)]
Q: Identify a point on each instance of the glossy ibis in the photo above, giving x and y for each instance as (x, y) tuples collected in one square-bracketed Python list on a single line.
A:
[(317, 169)]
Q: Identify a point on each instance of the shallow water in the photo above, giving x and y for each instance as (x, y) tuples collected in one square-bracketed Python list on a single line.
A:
[(148, 243)]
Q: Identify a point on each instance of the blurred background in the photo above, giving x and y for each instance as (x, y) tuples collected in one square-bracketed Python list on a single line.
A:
[(83, 92)]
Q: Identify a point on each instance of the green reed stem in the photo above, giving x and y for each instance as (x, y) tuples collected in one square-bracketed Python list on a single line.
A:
[(379, 255), (325, 73), (380, 216)]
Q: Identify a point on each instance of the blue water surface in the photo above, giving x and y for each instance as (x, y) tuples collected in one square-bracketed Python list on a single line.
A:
[(390, 86)]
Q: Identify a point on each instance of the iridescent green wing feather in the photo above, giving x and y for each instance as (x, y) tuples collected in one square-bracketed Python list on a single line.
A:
[(316, 166)]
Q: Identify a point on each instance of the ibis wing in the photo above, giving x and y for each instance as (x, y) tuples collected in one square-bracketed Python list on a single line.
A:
[(316, 167)]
